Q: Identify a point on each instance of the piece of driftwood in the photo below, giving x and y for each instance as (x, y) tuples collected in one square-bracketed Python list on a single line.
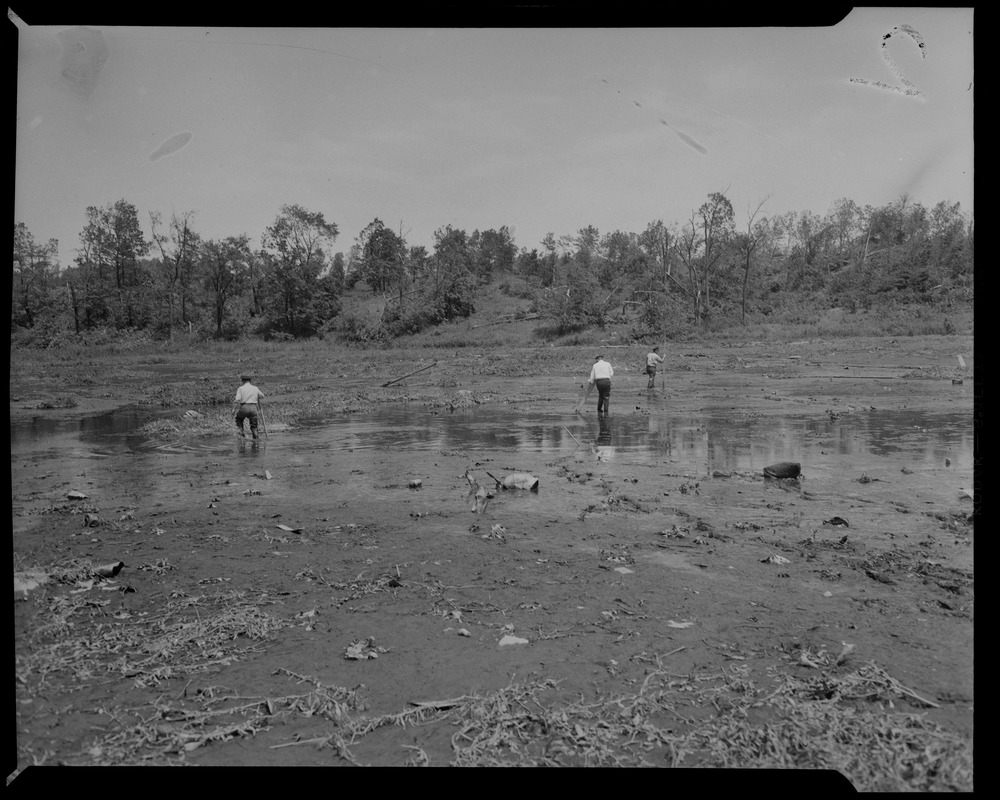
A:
[(408, 374), (508, 318)]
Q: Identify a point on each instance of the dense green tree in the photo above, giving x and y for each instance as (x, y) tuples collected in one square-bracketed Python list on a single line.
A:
[(532, 266), (901, 252), (951, 242), (576, 305), (107, 285), (493, 252), (382, 256), (338, 267), (845, 217), (34, 278), (297, 302), (584, 247), (453, 283), (622, 259), (225, 267), (418, 263)]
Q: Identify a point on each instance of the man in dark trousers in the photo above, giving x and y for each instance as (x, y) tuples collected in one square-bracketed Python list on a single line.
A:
[(600, 375), (247, 405), (652, 359)]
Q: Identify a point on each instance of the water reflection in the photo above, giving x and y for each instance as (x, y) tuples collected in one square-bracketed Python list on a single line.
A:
[(704, 442), (253, 450), (43, 429), (603, 450)]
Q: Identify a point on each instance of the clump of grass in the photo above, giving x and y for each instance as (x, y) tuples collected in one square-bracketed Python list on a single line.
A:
[(213, 423), (842, 722), (845, 721), (189, 634), (164, 733)]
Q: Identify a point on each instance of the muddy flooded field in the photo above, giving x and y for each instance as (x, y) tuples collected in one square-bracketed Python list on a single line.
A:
[(331, 595)]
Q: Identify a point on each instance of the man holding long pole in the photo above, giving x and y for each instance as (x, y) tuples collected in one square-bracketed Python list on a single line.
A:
[(653, 358), (247, 405), (600, 376)]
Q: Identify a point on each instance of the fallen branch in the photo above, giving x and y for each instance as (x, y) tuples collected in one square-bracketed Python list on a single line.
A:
[(904, 690), (506, 318), (408, 374), (320, 740)]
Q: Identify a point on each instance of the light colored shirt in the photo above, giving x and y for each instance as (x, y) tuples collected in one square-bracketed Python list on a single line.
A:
[(248, 393), (602, 369), (652, 359)]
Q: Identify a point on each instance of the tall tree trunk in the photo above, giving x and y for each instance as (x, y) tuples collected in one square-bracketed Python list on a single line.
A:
[(75, 307), (746, 279)]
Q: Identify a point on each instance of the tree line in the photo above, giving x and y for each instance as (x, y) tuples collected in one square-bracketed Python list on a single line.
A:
[(717, 265), (713, 265)]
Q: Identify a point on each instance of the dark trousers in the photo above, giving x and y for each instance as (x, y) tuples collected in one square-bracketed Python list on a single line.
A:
[(247, 411), (651, 372), (603, 394)]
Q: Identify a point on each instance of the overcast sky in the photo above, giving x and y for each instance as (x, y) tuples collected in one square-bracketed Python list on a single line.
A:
[(539, 129)]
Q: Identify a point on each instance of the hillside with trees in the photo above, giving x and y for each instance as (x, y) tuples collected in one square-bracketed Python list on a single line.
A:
[(719, 268)]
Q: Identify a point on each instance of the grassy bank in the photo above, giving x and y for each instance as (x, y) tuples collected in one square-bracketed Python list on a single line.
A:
[(187, 371)]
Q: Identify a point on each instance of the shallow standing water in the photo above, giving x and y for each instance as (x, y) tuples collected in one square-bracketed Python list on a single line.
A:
[(883, 441)]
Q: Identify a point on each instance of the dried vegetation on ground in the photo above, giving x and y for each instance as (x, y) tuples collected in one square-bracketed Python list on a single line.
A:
[(652, 615)]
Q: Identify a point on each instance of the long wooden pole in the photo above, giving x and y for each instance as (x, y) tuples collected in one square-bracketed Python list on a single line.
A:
[(571, 434), (262, 423), (408, 374)]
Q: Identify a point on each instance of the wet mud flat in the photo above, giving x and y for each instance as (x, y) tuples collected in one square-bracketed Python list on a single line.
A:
[(656, 601)]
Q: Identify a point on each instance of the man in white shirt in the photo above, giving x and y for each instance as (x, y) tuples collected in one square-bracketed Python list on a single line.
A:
[(601, 375), (652, 359), (246, 405)]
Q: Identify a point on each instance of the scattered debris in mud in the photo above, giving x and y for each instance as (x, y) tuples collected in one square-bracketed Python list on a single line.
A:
[(668, 604)]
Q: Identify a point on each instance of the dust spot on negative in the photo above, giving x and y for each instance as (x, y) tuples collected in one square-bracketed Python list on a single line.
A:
[(691, 142), (910, 31), (84, 52), (172, 145)]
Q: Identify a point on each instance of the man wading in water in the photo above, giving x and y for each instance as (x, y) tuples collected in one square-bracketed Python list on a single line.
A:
[(652, 359), (601, 375), (246, 405)]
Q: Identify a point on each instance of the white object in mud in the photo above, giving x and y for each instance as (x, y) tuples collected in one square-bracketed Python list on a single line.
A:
[(521, 480)]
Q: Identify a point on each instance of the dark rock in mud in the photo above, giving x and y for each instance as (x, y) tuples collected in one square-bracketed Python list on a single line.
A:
[(783, 469)]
